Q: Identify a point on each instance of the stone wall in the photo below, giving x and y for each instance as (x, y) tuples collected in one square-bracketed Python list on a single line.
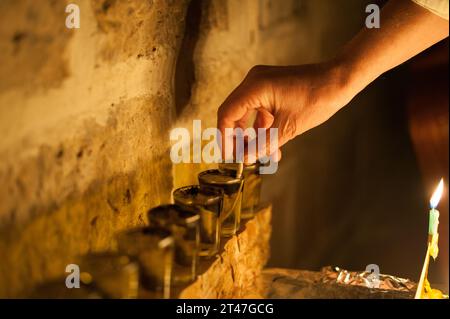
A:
[(85, 113), (237, 271)]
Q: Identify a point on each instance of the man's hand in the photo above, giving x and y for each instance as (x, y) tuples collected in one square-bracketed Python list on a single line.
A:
[(292, 99), (295, 99)]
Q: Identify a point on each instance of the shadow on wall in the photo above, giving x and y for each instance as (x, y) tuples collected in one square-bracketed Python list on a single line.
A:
[(185, 68)]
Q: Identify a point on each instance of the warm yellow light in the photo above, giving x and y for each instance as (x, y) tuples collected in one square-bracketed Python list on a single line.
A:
[(434, 201)]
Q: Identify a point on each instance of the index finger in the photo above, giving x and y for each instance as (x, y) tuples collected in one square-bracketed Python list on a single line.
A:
[(232, 110)]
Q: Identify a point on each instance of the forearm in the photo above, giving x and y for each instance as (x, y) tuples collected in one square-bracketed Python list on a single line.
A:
[(406, 30), (296, 99)]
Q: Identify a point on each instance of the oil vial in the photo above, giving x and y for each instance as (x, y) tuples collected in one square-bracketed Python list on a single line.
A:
[(232, 186), (153, 248), (252, 186), (208, 202), (115, 275), (184, 225)]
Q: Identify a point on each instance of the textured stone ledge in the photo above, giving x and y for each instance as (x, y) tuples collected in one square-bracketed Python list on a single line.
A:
[(236, 271), (303, 284)]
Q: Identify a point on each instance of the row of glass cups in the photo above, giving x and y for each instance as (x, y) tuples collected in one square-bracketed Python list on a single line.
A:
[(166, 253), (178, 234)]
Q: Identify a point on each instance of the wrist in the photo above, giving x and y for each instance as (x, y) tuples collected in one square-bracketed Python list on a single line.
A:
[(353, 73), (346, 80)]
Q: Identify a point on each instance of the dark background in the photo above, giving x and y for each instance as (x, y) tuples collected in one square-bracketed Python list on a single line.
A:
[(355, 190)]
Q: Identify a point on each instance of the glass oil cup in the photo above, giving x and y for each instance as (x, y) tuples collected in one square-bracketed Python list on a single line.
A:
[(208, 202), (115, 275), (153, 248), (252, 186), (184, 225), (232, 187)]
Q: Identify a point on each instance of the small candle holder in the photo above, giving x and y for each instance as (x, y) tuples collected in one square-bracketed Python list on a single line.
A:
[(208, 202), (154, 249), (184, 225), (252, 186), (232, 187), (116, 275)]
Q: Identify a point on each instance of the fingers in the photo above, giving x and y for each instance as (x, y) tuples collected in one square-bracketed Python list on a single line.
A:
[(236, 111), (239, 108), (264, 144), (272, 134), (228, 115), (231, 111), (242, 100), (264, 119), (277, 158), (286, 126), (244, 121)]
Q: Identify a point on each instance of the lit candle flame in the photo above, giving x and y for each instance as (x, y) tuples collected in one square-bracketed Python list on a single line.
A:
[(434, 201)]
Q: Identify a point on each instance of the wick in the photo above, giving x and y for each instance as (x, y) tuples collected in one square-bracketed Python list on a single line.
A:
[(240, 170)]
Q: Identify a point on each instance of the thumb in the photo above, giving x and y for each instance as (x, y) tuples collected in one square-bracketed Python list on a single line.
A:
[(286, 125)]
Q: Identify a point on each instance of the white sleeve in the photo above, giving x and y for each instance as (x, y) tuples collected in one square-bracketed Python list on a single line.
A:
[(439, 7)]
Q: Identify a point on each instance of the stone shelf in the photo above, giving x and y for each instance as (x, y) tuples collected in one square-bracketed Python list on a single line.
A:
[(279, 283), (236, 271)]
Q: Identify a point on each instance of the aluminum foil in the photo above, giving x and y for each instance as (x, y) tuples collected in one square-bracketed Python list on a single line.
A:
[(368, 279)]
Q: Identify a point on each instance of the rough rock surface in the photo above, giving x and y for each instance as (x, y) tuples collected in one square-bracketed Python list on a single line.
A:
[(85, 114), (279, 283), (236, 272)]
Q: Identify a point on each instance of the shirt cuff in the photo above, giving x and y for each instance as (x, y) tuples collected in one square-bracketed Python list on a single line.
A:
[(439, 7)]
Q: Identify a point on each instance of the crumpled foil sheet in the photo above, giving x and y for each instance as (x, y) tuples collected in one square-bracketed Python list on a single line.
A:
[(366, 279), (334, 283)]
